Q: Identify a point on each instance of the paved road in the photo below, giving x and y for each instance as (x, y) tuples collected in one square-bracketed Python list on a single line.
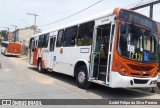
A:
[(19, 80)]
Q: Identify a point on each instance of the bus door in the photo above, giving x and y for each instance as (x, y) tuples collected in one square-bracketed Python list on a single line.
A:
[(32, 49), (51, 57), (101, 52)]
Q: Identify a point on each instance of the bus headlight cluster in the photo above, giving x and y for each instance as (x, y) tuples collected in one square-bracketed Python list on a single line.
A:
[(121, 69)]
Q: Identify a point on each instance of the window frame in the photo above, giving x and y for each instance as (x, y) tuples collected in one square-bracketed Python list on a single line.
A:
[(46, 40), (41, 41), (61, 41), (52, 44), (79, 35), (30, 42), (75, 37)]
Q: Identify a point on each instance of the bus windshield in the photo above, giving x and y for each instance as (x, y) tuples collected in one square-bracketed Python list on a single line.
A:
[(137, 43), (4, 45)]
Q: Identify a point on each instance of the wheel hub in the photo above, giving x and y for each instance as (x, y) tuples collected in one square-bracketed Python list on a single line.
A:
[(81, 77), (39, 66)]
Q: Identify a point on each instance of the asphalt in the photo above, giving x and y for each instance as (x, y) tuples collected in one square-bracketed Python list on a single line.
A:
[(19, 80)]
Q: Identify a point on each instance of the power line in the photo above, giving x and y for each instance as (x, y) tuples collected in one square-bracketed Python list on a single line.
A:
[(139, 3), (132, 4), (6, 27), (49, 5), (153, 2), (72, 14)]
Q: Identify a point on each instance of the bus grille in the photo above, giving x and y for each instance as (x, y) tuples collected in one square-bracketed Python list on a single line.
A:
[(139, 74), (140, 68), (137, 81)]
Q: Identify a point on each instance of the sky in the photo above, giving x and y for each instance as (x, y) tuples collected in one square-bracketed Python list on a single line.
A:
[(14, 12)]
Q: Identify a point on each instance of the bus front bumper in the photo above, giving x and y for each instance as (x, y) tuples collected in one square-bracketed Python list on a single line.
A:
[(119, 81)]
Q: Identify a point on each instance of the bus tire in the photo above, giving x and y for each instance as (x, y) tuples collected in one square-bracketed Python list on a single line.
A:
[(39, 66), (82, 77)]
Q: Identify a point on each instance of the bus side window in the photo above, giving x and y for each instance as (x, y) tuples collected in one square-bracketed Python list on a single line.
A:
[(46, 39), (70, 35), (59, 38), (52, 43), (30, 43), (40, 41), (85, 34)]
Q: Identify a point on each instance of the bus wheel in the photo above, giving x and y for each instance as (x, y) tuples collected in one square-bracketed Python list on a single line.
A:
[(82, 77), (40, 69)]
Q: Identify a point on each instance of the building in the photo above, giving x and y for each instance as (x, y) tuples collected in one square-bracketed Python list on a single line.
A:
[(23, 35)]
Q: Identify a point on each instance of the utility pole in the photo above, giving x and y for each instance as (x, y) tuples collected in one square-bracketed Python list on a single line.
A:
[(35, 15), (15, 32)]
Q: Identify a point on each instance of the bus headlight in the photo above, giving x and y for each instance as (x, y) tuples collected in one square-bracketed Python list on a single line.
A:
[(155, 74), (121, 69)]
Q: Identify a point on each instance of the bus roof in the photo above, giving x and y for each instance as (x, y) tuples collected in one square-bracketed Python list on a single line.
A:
[(5, 42), (10, 42), (101, 15), (106, 13)]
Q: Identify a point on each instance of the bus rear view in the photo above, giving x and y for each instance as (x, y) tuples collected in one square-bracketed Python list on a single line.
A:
[(11, 48)]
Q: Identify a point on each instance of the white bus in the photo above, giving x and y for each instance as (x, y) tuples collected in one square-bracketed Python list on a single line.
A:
[(116, 49), (10, 48)]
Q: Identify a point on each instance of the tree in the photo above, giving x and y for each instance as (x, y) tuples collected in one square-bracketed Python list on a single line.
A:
[(4, 34)]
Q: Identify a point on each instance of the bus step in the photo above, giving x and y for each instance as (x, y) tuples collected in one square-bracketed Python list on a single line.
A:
[(99, 82), (102, 68), (102, 73), (102, 76)]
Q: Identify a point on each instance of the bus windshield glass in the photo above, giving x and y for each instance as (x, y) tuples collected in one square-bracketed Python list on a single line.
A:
[(137, 37), (137, 43), (4, 45)]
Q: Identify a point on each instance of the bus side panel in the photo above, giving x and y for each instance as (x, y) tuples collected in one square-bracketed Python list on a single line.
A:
[(35, 57), (44, 55), (55, 57), (70, 56)]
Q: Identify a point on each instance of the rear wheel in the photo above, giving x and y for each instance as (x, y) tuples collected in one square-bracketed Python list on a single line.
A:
[(40, 69), (82, 77)]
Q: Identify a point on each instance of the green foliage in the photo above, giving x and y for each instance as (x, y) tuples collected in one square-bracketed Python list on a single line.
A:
[(4, 34)]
